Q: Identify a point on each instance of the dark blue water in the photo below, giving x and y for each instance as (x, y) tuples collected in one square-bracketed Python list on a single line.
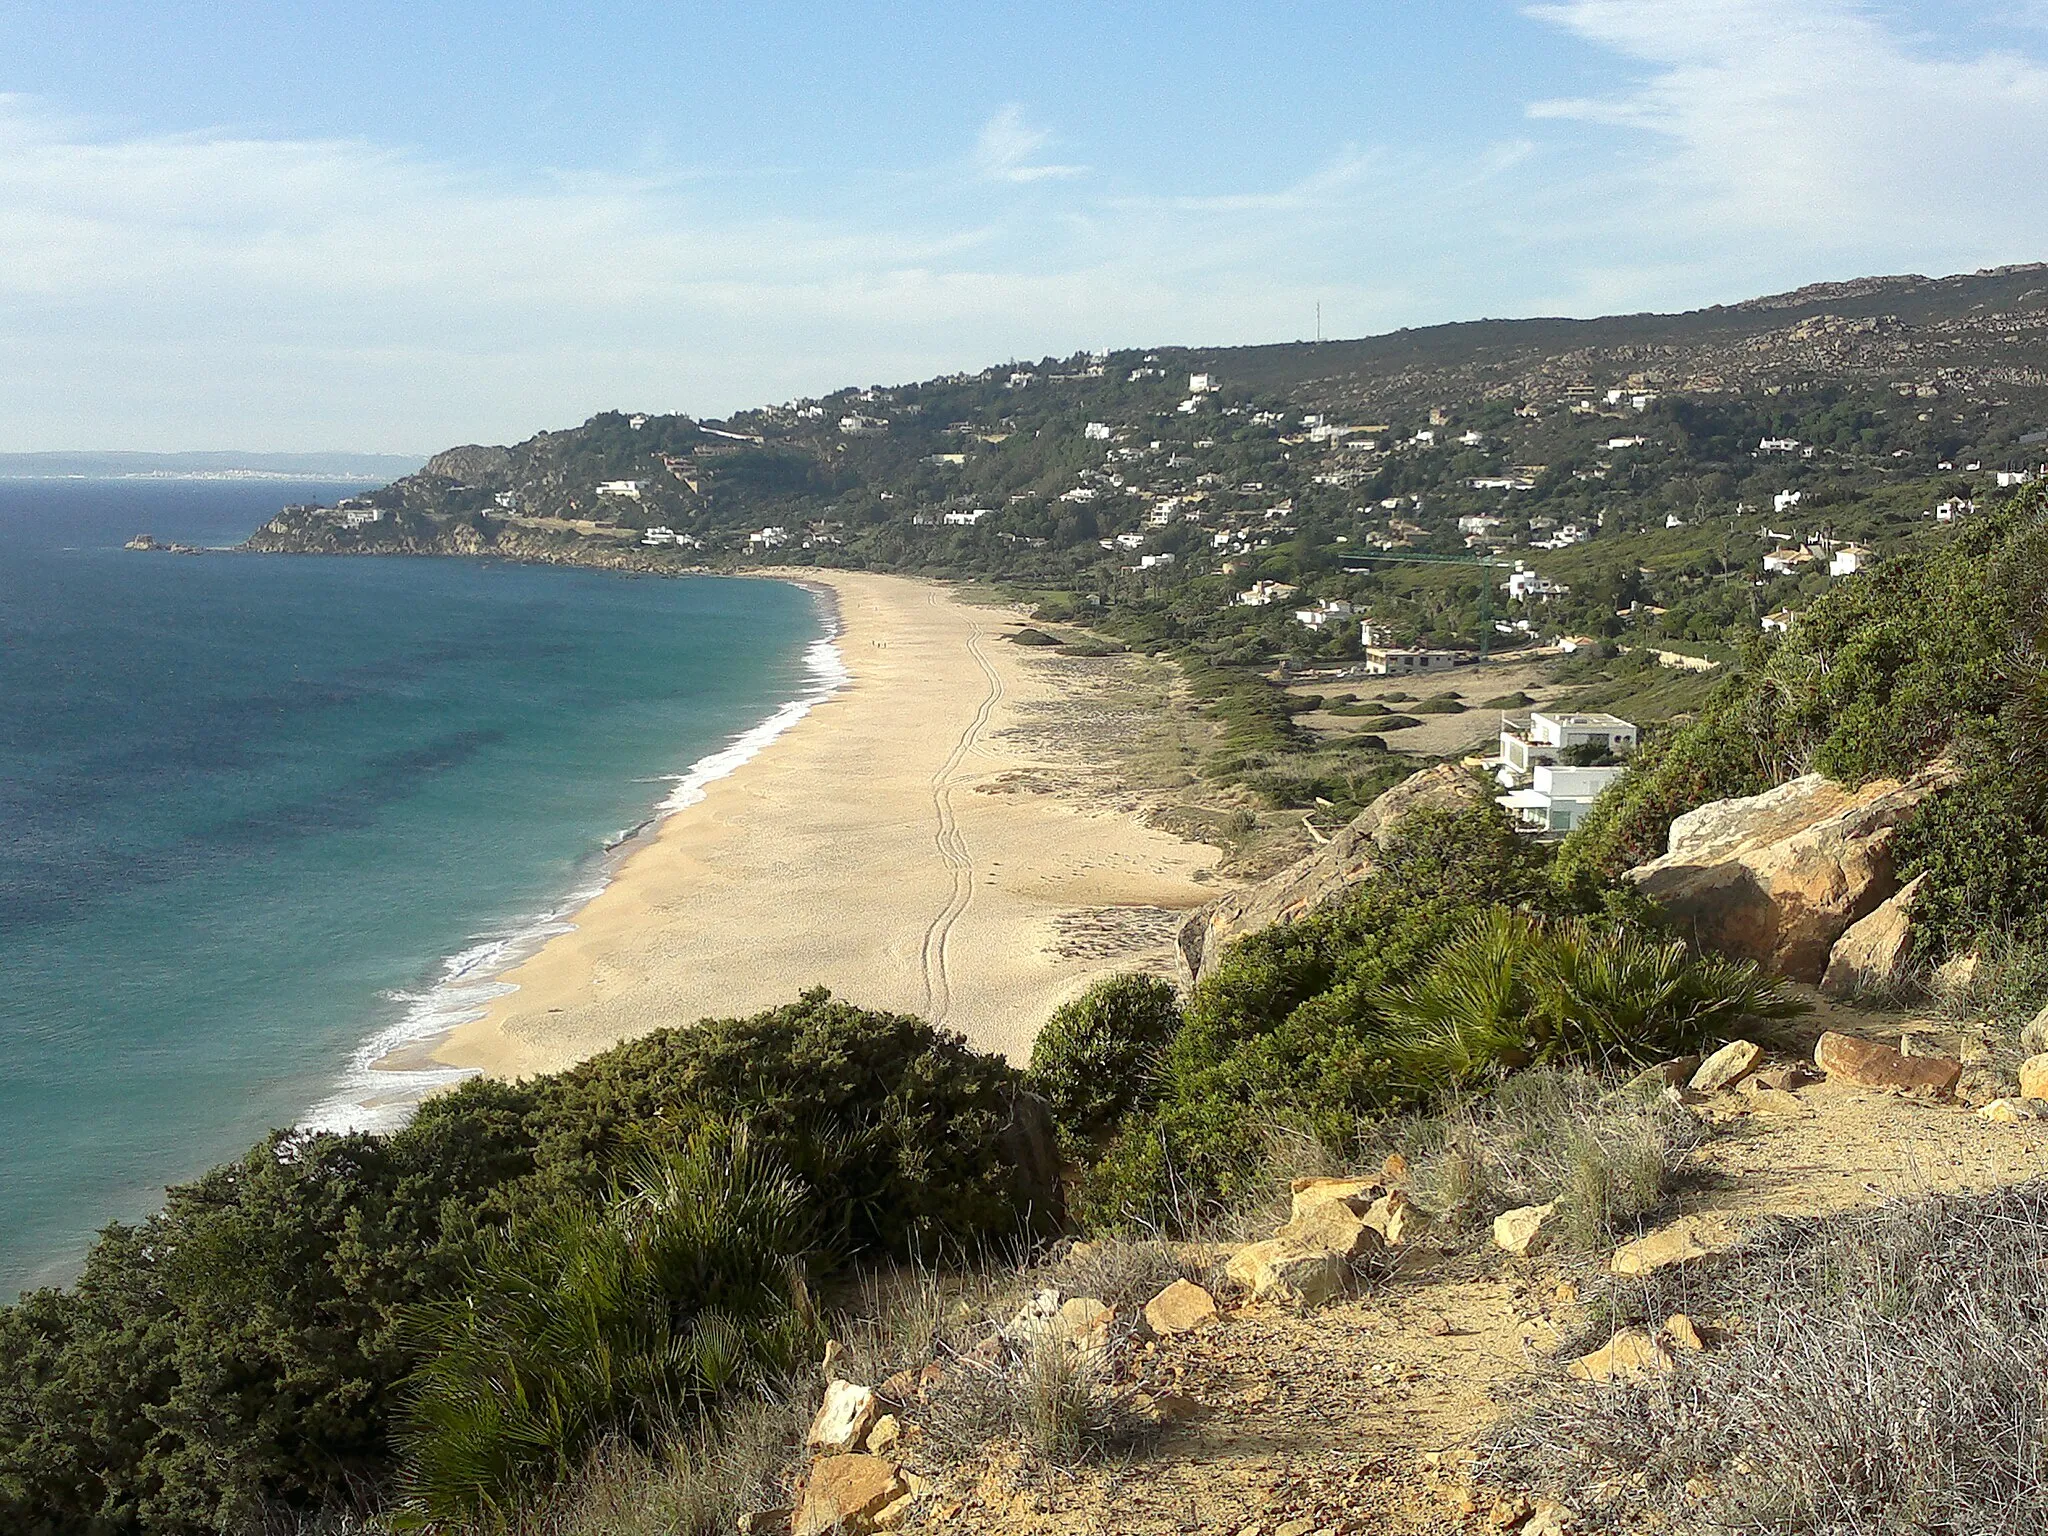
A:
[(257, 810)]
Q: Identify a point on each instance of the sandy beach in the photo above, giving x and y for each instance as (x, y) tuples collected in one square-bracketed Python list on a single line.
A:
[(921, 841)]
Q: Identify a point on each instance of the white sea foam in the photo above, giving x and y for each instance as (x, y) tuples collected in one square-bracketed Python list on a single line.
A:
[(374, 1097)]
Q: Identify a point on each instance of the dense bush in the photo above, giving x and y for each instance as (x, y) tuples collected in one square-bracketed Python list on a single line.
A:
[(604, 1321), (1456, 960), (1099, 1057), (242, 1350)]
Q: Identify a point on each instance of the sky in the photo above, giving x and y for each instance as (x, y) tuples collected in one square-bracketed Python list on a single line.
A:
[(393, 227)]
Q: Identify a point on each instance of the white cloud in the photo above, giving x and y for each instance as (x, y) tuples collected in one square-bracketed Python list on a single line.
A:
[(1814, 125), (1009, 147)]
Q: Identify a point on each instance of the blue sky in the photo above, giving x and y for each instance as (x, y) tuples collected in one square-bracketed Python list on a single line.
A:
[(392, 227)]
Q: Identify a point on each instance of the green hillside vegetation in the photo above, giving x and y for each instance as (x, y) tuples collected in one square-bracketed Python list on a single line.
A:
[(1937, 653)]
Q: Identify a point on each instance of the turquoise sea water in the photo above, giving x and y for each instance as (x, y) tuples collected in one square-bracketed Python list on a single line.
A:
[(261, 816)]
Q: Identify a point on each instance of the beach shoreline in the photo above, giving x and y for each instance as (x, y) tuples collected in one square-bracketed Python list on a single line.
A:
[(876, 844)]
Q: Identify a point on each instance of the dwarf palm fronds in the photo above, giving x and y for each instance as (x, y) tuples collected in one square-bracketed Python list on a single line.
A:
[(1607, 995), (1510, 989), (601, 1321)]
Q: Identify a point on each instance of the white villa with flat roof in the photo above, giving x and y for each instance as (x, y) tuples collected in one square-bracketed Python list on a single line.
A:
[(1399, 661), (1545, 736), (1558, 798)]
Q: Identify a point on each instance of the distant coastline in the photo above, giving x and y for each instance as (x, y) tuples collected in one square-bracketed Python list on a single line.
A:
[(210, 464)]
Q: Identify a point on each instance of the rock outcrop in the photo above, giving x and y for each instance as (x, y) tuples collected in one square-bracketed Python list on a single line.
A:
[(1868, 1064), (472, 464), (1780, 877), (1339, 864), (1876, 954)]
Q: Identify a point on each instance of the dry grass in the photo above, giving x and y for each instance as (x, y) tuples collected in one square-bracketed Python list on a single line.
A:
[(1885, 1377), (1609, 1157)]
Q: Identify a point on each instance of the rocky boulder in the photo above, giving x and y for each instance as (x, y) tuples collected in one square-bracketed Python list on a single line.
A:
[(1876, 953), (1181, 1308), (850, 1494), (843, 1419), (1868, 1064), (1778, 878), (1281, 1271), (1332, 869), (472, 464)]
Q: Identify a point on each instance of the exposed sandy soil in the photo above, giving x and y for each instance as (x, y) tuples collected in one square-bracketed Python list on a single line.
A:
[(1336, 1422), (1439, 735)]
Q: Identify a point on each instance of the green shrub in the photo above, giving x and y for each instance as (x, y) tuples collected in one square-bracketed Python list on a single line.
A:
[(1098, 1057), (239, 1355), (597, 1321), (1456, 962), (1442, 704)]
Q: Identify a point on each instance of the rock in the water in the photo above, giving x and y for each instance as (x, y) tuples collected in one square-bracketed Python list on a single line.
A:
[(1332, 869), (1875, 954), (843, 1419), (1727, 1066), (1181, 1308), (2034, 1077), (1779, 877), (1523, 1231), (1280, 1271), (846, 1494), (2014, 1111), (1688, 1238), (1333, 1225), (1630, 1353), (1868, 1064)]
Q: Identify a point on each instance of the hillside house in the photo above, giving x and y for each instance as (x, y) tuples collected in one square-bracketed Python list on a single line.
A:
[(1325, 613), (1785, 500), (1260, 593), (1096, 432), (1779, 623), (1557, 799), (1778, 445), (853, 424), (1786, 561), (630, 489), (1203, 383), (1954, 509), (1544, 736), (966, 519), (1404, 661), (1851, 558), (768, 538), (1527, 586)]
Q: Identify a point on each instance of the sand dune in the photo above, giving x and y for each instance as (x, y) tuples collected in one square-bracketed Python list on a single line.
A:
[(869, 850)]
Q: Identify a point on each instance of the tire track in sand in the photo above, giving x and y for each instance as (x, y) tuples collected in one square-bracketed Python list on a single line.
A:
[(951, 846)]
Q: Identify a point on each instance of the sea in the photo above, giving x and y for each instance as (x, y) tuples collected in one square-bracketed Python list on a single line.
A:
[(266, 818)]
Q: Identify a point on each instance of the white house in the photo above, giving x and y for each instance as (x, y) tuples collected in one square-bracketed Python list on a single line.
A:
[(1526, 586), (1260, 593), (1954, 509), (1096, 432), (355, 517), (1786, 561), (1851, 558), (1785, 499), (1778, 445), (1323, 613), (1373, 632), (1472, 439), (1546, 735), (658, 535), (1149, 562), (1480, 523), (630, 489), (768, 538), (636, 422), (1558, 799), (1128, 541), (1203, 384), (1399, 661), (1779, 623), (2010, 477), (1615, 444), (966, 519), (854, 424)]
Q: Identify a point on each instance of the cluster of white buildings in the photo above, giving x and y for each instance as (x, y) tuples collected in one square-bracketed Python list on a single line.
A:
[(1544, 795)]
